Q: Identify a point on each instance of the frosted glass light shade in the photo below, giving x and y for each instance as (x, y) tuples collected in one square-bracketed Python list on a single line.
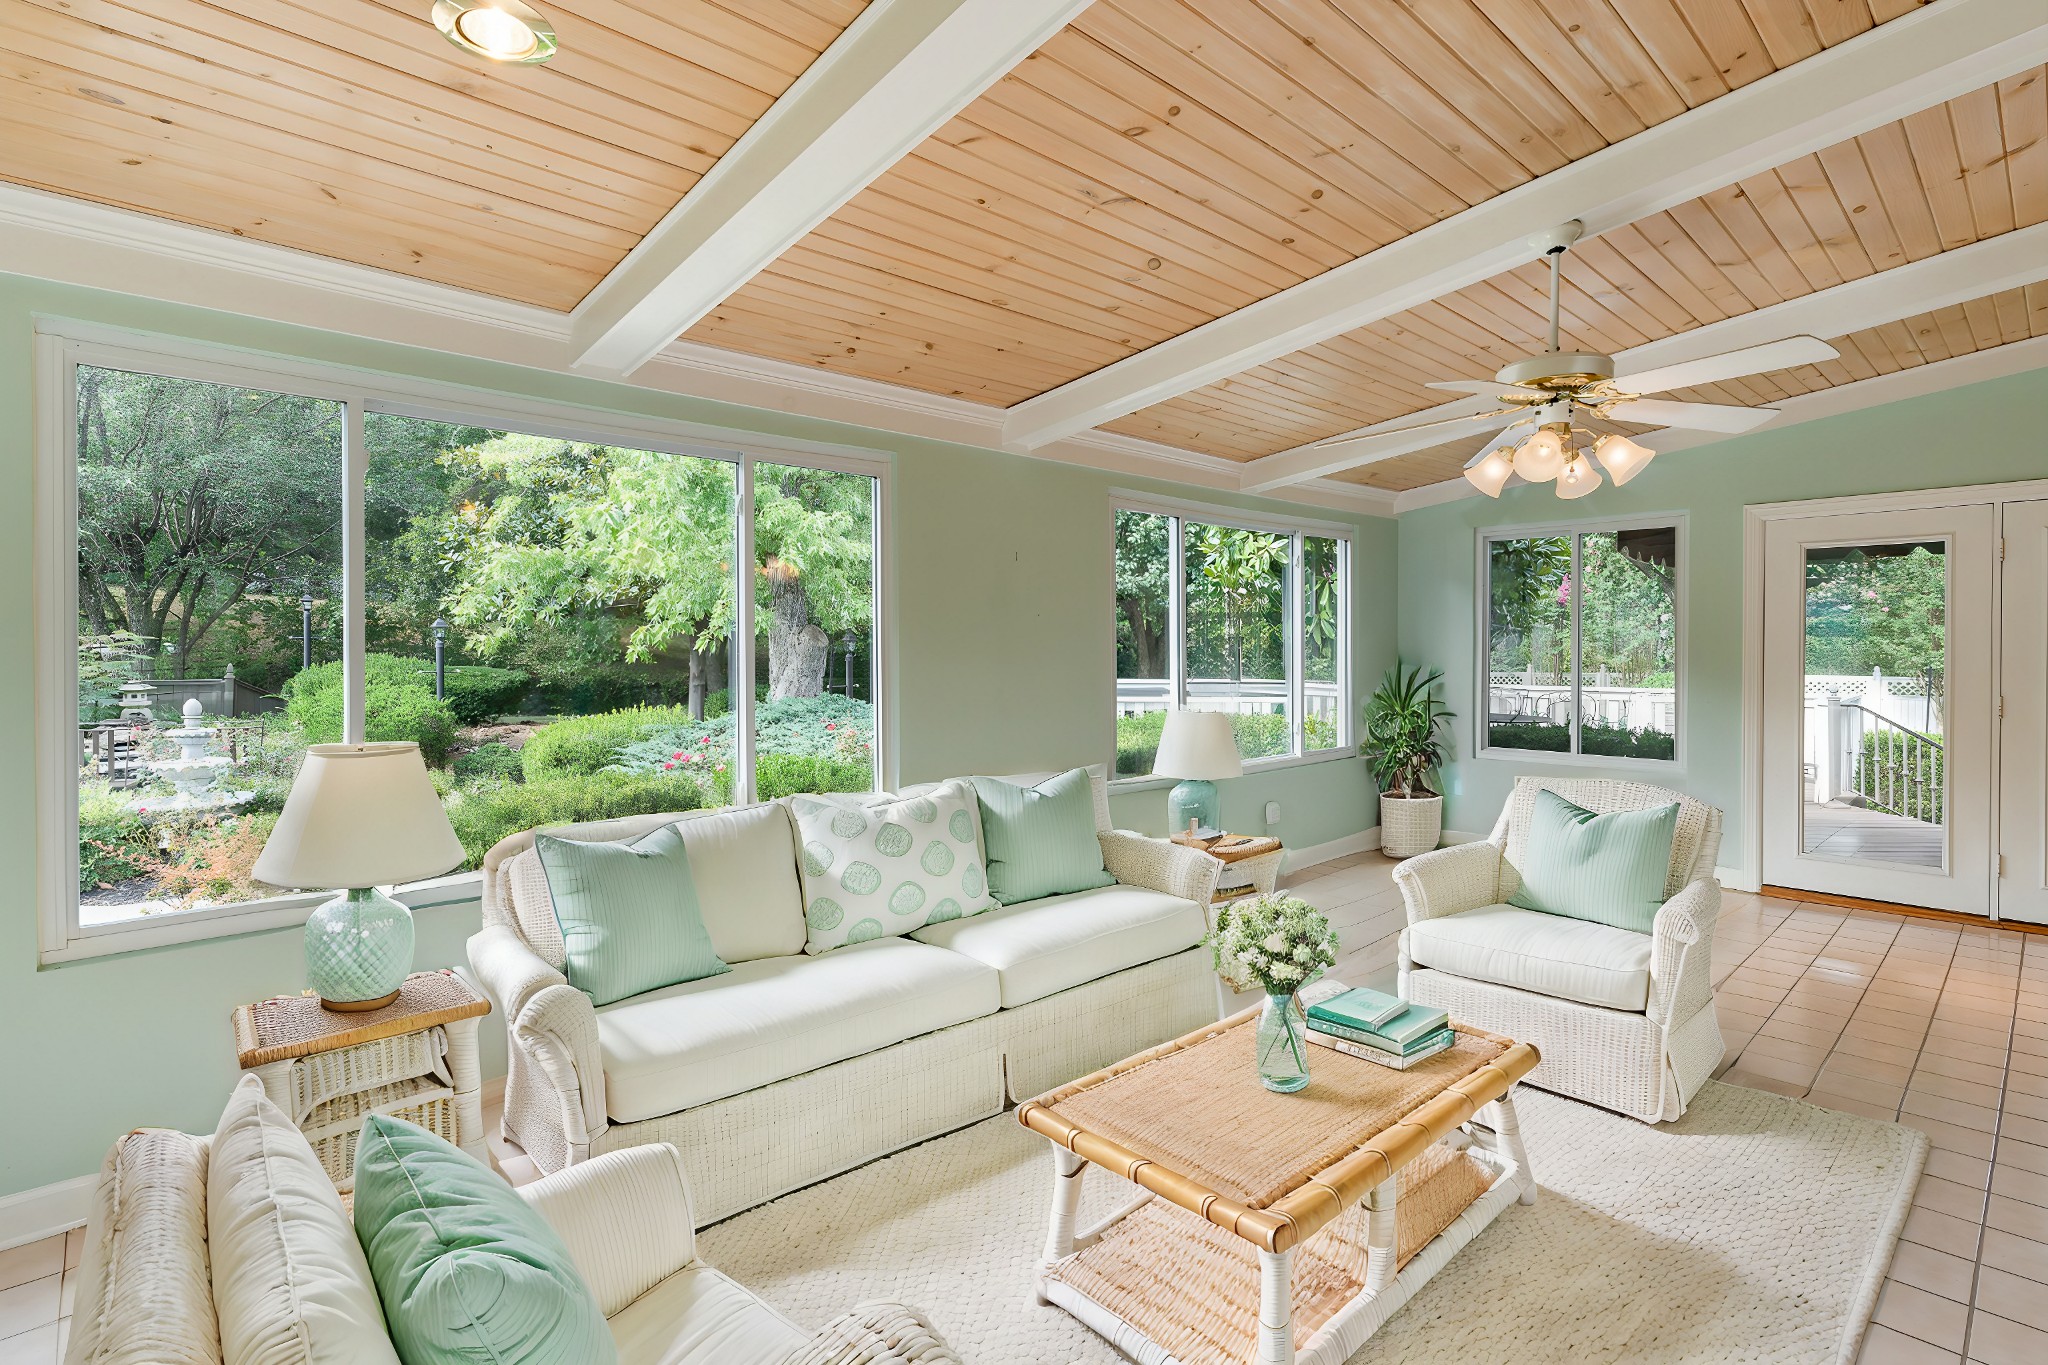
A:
[(1197, 744), (1624, 458), (359, 815), (1541, 457), (1578, 478), (1489, 471)]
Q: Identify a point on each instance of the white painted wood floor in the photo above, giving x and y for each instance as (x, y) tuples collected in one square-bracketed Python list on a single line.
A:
[(1939, 1026)]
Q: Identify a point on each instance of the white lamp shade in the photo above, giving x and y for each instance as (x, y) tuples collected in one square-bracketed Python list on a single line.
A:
[(359, 815), (1198, 745), (1489, 471), (1540, 457), (1624, 458), (1578, 478)]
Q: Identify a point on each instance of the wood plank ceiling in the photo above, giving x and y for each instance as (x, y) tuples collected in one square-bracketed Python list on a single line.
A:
[(1163, 162), (1978, 325), (356, 131)]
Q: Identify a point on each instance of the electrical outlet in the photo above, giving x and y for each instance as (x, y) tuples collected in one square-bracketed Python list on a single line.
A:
[(1272, 813)]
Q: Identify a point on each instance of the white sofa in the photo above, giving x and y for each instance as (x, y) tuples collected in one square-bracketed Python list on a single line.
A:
[(147, 1285), (1623, 1020), (791, 1068)]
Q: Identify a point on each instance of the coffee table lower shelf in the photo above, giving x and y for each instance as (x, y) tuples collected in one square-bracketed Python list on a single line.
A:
[(1168, 1287)]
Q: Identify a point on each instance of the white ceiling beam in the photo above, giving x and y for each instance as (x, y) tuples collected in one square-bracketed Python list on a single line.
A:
[(2017, 357), (1969, 272), (1946, 49), (894, 77)]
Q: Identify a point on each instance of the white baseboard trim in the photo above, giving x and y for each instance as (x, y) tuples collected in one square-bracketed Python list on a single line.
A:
[(1365, 841), (1460, 836), (32, 1215), (1736, 879)]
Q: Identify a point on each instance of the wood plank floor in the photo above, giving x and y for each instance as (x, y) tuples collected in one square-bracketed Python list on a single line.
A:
[(1855, 833)]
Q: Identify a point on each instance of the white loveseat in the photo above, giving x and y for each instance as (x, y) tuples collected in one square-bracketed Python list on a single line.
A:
[(791, 1067), (150, 1275), (1623, 1020)]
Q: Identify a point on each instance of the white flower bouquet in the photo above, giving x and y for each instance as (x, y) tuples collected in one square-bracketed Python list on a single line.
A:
[(1278, 943)]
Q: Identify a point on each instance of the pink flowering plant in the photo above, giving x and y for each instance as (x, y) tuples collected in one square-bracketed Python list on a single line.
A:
[(1277, 943)]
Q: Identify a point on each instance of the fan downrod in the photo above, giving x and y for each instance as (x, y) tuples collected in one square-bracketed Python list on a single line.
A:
[(1556, 370)]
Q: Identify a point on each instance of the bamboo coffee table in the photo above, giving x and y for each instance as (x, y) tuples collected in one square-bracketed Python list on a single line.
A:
[(1275, 1229)]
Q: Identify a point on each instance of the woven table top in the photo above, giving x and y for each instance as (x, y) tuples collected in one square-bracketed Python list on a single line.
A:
[(1190, 1121), (289, 1026), (1224, 850)]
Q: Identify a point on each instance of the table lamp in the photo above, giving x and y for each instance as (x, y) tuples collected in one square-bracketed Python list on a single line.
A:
[(359, 816), (1198, 747)]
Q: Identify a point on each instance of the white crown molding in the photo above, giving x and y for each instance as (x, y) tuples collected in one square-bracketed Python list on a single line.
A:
[(2016, 357), (1917, 61), (73, 241)]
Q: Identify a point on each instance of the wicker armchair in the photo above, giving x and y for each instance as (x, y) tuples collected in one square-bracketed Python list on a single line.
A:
[(1631, 1026)]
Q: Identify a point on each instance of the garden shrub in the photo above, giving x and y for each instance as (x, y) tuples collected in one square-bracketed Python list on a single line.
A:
[(793, 774), (209, 858), (1258, 735), (398, 704), (584, 744), (113, 841), (1606, 741), (488, 811), (827, 727), (479, 694), (493, 758)]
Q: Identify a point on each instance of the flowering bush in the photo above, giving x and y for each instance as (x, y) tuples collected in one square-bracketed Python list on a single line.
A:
[(1278, 943)]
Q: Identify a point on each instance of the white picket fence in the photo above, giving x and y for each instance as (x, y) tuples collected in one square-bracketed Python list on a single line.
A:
[(1252, 696)]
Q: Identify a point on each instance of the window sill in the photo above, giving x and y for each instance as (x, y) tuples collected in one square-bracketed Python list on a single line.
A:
[(117, 933), (1147, 782)]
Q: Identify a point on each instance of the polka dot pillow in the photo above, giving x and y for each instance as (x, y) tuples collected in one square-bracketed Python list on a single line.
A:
[(873, 871)]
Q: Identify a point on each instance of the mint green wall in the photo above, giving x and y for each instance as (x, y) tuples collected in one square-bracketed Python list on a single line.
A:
[(1004, 661), (1985, 433)]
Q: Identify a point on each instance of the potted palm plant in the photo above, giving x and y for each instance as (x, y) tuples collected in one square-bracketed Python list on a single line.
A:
[(1404, 742)]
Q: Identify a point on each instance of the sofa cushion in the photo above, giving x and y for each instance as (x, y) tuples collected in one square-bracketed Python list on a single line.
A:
[(1608, 868), (743, 861), (773, 1018), (467, 1271), (629, 915), (145, 1292), (1043, 946), (290, 1283), (1594, 964), (1041, 841), (700, 1317), (888, 867)]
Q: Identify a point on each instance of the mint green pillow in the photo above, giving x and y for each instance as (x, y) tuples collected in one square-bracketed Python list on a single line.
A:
[(1040, 841), (628, 912), (1608, 869), (468, 1272)]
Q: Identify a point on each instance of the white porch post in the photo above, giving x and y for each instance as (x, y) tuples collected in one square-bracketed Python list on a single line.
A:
[(1826, 783)]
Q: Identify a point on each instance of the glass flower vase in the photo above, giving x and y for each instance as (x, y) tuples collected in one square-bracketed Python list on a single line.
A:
[(1283, 1045)]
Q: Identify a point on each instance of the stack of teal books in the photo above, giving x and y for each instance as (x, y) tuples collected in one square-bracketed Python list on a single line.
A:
[(1379, 1027)]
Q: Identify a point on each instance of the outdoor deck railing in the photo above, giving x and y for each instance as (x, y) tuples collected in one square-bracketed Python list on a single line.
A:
[(1897, 769)]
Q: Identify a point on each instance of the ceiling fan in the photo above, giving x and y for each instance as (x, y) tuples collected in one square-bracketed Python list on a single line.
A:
[(1564, 403)]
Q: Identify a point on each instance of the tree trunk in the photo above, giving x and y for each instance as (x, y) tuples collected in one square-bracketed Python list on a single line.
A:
[(796, 648), (696, 680)]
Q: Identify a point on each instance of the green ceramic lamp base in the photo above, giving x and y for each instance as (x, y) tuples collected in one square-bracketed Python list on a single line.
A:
[(358, 950), (1193, 799)]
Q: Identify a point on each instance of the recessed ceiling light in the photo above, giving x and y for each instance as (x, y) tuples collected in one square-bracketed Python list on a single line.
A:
[(502, 30)]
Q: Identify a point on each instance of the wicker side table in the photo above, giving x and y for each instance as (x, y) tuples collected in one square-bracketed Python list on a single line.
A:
[(415, 1059), (1251, 863)]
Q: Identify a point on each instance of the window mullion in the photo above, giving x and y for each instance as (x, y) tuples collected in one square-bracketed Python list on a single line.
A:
[(1578, 594), (355, 475), (1296, 628), (742, 664), (1176, 617)]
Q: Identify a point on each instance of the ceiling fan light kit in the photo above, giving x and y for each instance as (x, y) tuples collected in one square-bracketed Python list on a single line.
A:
[(1571, 396)]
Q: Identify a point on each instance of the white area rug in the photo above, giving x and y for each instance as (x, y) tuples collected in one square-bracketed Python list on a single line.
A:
[(1757, 1228)]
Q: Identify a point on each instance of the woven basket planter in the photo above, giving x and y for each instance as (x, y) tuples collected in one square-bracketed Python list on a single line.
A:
[(1410, 825)]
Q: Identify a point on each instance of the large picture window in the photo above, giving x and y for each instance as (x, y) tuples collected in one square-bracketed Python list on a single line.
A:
[(571, 626), (1217, 614), (1582, 641)]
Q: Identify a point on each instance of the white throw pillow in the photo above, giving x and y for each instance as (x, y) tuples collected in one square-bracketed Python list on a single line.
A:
[(289, 1279), (886, 868)]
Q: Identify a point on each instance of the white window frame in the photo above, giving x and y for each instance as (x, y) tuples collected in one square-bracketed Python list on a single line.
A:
[(1485, 538), (1297, 528), (62, 345)]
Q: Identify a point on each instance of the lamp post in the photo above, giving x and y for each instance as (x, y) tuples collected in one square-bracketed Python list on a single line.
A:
[(847, 644), (306, 627), (440, 629)]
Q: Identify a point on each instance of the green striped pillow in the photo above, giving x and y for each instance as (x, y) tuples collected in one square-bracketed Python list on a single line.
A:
[(1040, 841), (1608, 869), (628, 912)]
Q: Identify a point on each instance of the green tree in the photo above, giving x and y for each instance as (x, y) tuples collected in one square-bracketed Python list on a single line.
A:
[(1244, 573), (1143, 564), (814, 544)]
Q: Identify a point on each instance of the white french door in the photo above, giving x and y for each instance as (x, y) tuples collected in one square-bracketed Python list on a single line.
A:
[(1878, 781), (2023, 708)]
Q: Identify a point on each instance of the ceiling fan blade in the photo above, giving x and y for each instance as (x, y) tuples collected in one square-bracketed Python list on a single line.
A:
[(1661, 412), (1775, 355), (1486, 388), (1335, 441)]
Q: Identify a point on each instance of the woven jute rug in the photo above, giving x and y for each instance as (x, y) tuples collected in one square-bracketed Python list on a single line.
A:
[(1756, 1228)]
